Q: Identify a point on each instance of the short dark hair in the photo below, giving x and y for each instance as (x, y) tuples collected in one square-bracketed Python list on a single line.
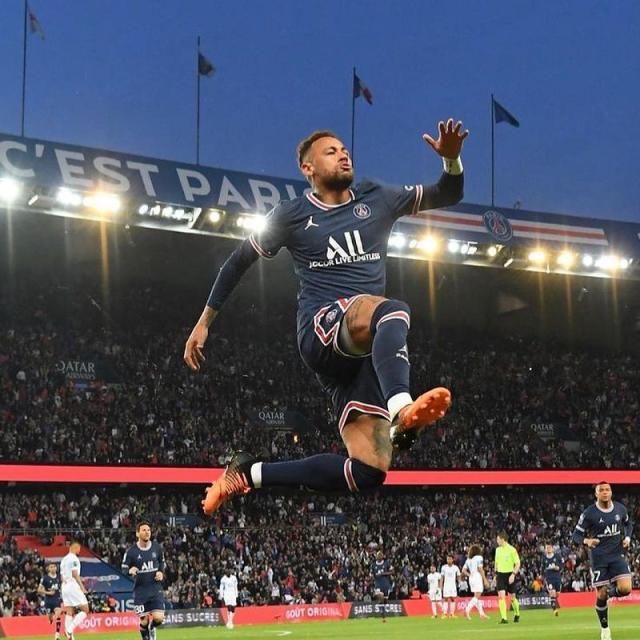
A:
[(305, 145), (597, 484), (142, 523), (504, 535)]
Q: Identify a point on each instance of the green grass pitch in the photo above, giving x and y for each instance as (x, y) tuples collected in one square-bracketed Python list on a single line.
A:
[(572, 624)]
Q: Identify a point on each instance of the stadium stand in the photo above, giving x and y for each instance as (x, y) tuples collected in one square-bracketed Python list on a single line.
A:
[(312, 548)]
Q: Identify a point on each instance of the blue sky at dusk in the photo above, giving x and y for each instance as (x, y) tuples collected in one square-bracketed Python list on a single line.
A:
[(121, 75)]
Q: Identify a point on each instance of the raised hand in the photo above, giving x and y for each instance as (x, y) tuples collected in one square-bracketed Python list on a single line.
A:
[(449, 142)]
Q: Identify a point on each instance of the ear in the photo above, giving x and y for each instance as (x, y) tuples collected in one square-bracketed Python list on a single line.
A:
[(307, 169)]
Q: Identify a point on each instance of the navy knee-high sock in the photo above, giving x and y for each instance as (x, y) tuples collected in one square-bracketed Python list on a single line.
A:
[(323, 472), (603, 612), (389, 327)]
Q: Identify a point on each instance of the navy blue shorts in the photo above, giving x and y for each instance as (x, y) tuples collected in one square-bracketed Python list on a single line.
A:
[(553, 584), (350, 381), (606, 572), (52, 605), (384, 587), (147, 605)]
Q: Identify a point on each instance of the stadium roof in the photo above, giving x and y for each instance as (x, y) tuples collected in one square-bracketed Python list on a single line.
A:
[(80, 182)]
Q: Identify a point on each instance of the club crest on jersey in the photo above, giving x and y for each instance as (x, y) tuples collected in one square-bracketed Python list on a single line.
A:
[(331, 316), (498, 225), (361, 211)]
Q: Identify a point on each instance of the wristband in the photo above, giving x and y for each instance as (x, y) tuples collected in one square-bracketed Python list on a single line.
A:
[(452, 167)]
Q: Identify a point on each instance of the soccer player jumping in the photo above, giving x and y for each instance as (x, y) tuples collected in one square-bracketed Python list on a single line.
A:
[(605, 529), (349, 334)]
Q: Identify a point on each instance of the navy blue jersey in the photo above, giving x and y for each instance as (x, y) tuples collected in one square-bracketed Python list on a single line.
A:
[(380, 569), (49, 583), (338, 251), (610, 527), (551, 566), (147, 561)]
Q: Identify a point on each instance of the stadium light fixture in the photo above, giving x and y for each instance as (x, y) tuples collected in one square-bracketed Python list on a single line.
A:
[(566, 259), (215, 215), (155, 210), (587, 260), (167, 212), (492, 251), (472, 250), (68, 198), (102, 202), (413, 243), (428, 244), (508, 262), (537, 256), (609, 262), (9, 189), (453, 246), (252, 222), (143, 209), (397, 240), (624, 263)]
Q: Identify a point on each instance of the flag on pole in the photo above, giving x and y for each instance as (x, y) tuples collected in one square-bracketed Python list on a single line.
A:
[(500, 114), (360, 89), (205, 66), (34, 23)]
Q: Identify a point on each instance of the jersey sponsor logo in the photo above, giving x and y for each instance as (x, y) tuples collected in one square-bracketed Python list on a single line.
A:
[(497, 225), (347, 251), (361, 211), (611, 530), (147, 566), (310, 223), (353, 243)]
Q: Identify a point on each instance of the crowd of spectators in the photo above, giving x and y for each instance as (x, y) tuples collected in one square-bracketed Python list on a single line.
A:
[(516, 403), (288, 548)]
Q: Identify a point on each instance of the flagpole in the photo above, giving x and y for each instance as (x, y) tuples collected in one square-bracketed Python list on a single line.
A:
[(493, 152), (198, 105), (24, 67), (353, 115)]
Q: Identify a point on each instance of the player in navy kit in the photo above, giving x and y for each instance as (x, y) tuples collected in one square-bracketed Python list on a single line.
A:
[(349, 334), (145, 562), (551, 565), (49, 587), (605, 528), (382, 581)]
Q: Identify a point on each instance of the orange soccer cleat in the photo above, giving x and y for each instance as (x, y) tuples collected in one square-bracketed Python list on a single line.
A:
[(422, 412), (234, 481)]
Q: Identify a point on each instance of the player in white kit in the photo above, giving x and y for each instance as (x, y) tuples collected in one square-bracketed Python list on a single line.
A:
[(72, 591), (473, 567), (435, 594), (229, 595), (449, 585)]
